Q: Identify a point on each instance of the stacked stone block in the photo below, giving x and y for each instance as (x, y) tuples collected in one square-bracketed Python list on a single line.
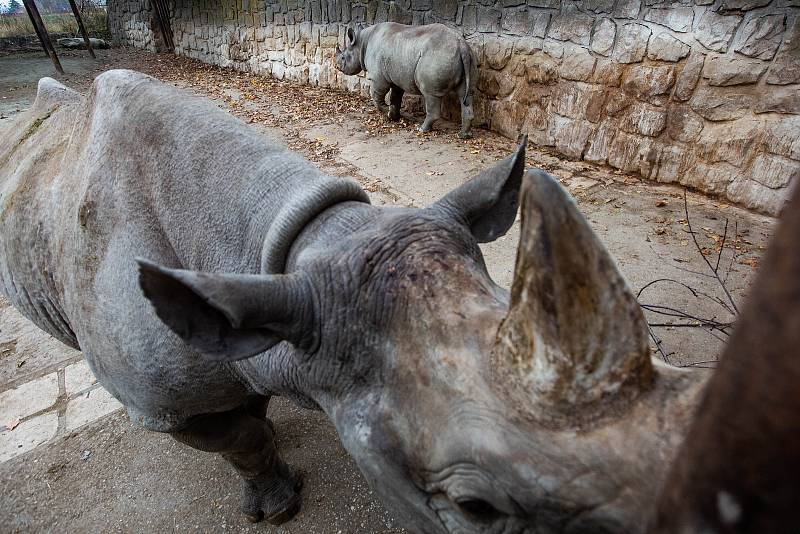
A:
[(130, 21), (705, 93)]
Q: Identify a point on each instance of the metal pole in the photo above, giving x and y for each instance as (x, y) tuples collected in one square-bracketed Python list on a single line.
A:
[(162, 13), (41, 32), (81, 27)]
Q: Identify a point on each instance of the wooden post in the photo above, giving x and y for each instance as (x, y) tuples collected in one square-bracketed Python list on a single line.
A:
[(41, 32), (81, 27)]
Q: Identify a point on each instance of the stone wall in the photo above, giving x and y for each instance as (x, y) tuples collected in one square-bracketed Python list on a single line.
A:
[(130, 23), (701, 92)]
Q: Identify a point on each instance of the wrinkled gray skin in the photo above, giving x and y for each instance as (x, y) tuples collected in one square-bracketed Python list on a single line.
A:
[(466, 408), (431, 60)]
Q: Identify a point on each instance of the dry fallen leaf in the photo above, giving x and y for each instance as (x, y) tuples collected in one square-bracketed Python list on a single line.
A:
[(661, 203), (751, 262)]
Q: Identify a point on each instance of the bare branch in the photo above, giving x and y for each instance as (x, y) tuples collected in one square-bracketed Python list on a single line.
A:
[(721, 246), (710, 332), (639, 294), (735, 253), (696, 293), (698, 273), (673, 312), (696, 324), (658, 342), (699, 363), (705, 259)]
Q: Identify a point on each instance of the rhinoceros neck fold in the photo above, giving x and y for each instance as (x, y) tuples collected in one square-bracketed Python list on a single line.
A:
[(313, 198)]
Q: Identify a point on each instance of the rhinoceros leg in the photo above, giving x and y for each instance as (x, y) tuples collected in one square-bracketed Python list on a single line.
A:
[(378, 90), (395, 101), (465, 98), (247, 440), (433, 110)]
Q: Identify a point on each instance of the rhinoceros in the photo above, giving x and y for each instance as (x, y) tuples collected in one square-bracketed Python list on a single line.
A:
[(431, 60), (466, 407)]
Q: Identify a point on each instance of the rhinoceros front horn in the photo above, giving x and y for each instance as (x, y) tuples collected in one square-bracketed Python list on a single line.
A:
[(575, 338)]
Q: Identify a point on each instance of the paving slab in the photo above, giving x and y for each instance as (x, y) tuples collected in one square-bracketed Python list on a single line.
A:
[(25, 351), (89, 406), (29, 398), (78, 377), (27, 436)]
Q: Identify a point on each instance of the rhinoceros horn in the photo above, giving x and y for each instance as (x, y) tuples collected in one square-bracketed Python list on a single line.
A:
[(574, 334)]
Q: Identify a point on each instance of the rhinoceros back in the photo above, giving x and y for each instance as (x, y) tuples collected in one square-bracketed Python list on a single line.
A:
[(140, 168), (224, 197)]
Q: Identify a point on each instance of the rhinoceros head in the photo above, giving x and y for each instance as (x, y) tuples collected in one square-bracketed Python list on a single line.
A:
[(537, 411), (349, 60), (469, 409)]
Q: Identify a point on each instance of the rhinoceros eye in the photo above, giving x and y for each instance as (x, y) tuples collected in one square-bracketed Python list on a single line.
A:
[(478, 510)]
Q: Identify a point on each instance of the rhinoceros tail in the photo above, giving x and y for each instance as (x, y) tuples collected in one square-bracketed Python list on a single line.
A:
[(466, 63)]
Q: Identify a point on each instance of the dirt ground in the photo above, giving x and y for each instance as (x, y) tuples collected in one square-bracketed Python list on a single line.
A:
[(134, 481)]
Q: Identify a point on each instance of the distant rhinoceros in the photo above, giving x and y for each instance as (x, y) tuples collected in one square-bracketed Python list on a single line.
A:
[(431, 61), (467, 409)]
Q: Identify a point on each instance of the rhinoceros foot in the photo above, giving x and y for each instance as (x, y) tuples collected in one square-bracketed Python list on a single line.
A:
[(394, 113), (276, 500), (464, 135)]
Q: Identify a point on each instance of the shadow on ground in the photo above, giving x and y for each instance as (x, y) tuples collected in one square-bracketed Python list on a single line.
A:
[(113, 477)]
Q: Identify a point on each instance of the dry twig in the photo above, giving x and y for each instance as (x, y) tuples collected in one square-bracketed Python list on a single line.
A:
[(720, 330)]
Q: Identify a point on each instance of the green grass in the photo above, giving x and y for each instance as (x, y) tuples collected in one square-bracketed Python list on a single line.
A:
[(56, 23)]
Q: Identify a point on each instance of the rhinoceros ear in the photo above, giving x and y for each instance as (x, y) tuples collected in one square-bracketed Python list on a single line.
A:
[(488, 202), (351, 36), (231, 316)]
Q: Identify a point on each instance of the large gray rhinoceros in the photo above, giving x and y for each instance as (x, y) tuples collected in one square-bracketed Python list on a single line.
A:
[(466, 408), (431, 60)]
